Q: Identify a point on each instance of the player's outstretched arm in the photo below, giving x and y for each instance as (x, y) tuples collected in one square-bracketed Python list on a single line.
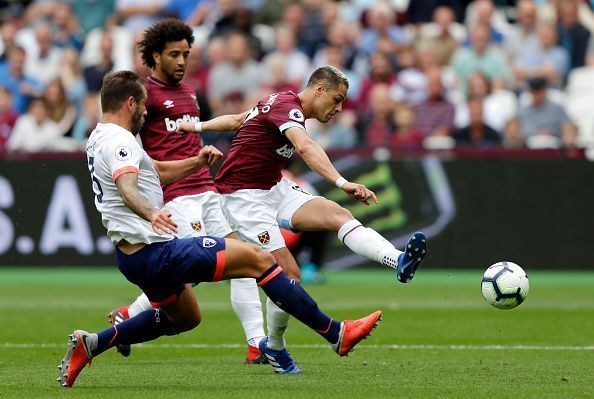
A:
[(172, 171), (161, 221), (223, 123), (316, 158)]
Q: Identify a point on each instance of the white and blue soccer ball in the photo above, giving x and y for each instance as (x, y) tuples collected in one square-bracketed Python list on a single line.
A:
[(505, 285)]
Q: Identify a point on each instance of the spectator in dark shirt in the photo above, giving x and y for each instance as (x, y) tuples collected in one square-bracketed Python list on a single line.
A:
[(477, 133), (313, 32), (420, 11), (573, 36), (94, 74)]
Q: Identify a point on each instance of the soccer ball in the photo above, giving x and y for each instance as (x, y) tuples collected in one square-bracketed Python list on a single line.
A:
[(505, 285)]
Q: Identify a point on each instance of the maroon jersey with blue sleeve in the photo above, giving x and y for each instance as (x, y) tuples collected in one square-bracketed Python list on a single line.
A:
[(260, 150), (166, 107)]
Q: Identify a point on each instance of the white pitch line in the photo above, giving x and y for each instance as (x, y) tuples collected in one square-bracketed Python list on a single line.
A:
[(14, 345)]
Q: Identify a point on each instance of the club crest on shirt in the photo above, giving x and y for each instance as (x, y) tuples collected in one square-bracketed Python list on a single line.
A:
[(296, 115), (264, 237), (123, 153), (196, 226), (208, 242)]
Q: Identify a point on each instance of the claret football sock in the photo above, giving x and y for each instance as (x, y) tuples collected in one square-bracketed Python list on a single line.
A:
[(146, 326), (292, 298)]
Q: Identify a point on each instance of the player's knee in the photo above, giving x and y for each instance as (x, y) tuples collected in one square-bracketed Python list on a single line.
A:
[(194, 322), (340, 216), (190, 322), (262, 260)]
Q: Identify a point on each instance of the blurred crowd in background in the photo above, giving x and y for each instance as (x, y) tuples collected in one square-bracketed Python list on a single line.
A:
[(424, 74)]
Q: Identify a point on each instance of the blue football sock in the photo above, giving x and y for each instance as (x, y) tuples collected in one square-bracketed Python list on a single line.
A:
[(145, 326), (292, 298)]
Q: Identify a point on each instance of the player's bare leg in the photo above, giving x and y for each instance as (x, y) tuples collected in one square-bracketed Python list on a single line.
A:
[(323, 214), (184, 313)]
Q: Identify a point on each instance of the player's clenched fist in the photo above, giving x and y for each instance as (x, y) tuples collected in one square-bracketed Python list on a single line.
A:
[(185, 127), (210, 154)]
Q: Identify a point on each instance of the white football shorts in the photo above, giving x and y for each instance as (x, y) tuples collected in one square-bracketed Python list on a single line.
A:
[(199, 215), (257, 215)]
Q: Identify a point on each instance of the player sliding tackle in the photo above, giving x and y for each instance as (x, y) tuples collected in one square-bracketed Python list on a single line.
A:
[(127, 186), (193, 201), (257, 201)]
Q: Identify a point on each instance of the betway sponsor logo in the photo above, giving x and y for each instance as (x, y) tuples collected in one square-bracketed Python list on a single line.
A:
[(285, 151), (172, 124)]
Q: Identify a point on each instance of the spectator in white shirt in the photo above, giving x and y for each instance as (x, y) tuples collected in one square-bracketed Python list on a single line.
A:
[(44, 60), (296, 63), (35, 131)]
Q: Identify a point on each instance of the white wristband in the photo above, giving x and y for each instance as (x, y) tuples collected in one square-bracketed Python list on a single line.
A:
[(198, 126), (341, 181)]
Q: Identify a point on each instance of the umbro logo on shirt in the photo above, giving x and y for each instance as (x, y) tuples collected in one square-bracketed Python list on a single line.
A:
[(168, 103)]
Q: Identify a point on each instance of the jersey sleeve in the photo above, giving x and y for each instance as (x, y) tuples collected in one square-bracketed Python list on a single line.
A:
[(123, 156), (287, 114)]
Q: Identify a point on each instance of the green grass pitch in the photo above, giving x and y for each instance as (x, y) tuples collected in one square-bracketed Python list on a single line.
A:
[(438, 339)]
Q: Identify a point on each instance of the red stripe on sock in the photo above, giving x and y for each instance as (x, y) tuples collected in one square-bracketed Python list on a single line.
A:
[(166, 301), (350, 231), (272, 275), (114, 337), (327, 329)]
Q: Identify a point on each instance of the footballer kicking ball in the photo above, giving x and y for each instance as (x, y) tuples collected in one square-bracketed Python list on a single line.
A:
[(505, 285)]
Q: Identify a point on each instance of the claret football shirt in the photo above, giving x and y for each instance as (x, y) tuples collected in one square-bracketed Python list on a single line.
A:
[(260, 150), (166, 107)]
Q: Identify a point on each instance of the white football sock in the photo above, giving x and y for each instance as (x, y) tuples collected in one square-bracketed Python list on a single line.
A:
[(245, 300), (277, 320), (368, 243), (141, 304)]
